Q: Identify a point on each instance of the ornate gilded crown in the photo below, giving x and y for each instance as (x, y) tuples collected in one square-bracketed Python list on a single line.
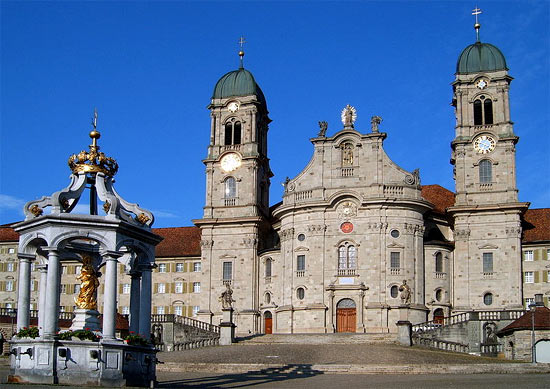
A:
[(93, 161)]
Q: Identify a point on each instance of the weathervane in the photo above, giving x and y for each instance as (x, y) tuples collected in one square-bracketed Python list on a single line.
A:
[(242, 41), (476, 11), (94, 119)]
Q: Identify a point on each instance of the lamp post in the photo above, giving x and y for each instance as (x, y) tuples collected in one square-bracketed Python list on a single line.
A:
[(533, 307)]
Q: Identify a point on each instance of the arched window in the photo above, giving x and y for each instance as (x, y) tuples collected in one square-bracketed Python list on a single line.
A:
[(267, 298), (347, 257), (438, 295), (232, 133), (230, 188), (394, 291), (300, 293), (483, 111), (439, 263), (347, 154), (485, 172), (268, 263)]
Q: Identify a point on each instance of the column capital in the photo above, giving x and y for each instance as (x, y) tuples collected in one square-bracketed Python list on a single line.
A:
[(51, 249), (135, 274), (42, 267), (147, 267), (111, 255), (26, 257)]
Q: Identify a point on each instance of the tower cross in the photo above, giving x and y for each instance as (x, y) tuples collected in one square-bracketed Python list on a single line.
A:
[(94, 119), (476, 11), (242, 41)]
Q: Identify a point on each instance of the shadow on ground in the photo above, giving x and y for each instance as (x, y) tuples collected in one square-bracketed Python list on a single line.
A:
[(251, 378)]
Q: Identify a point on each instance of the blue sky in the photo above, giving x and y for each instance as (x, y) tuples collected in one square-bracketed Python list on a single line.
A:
[(150, 68)]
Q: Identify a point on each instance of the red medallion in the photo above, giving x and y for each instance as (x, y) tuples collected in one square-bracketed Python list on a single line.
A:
[(346, 227)]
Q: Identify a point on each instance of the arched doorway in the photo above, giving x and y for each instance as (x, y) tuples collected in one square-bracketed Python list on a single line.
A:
[(268, 322), (439, 316), (542, 351), (346, 316)]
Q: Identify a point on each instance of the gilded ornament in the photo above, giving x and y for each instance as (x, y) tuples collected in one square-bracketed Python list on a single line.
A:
[(142, 218), (87, 297), (36, 210), (106, 206)]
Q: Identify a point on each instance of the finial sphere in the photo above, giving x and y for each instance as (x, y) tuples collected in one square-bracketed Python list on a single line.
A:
[(241, 53), (95, 134)]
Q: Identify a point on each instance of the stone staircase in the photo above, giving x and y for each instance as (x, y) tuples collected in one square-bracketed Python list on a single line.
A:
[(338, 338)]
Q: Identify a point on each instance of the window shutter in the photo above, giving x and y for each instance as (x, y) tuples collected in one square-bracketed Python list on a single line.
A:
[(14, 286), (102, 288), (189, 311), (544, 253), (537, 254), (15, 266), (545, 299), (35, 285), (119, 288), (2, 286), (186, 267), (155, 287), (2, 267), (173, 267), (545, 276), (537, 277)]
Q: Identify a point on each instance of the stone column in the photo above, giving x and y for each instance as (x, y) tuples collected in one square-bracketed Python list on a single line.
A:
[(24, 291), (145, 302), (51, 311), (135, 302), (110, 294), (43, 269)]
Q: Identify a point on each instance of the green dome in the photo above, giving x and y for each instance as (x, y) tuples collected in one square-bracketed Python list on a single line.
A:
[(238, 83), (480, 57)]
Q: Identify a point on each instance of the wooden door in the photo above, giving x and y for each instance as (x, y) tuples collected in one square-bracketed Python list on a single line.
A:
[(268, 323), (345, 320)]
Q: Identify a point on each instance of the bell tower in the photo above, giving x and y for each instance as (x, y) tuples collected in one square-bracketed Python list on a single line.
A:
[(487, 225), (237, 196)]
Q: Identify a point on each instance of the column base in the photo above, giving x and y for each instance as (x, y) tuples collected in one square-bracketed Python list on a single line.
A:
[(85, 319), (227, 328)]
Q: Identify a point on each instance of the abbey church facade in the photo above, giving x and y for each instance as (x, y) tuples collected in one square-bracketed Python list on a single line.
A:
[(357, 242)]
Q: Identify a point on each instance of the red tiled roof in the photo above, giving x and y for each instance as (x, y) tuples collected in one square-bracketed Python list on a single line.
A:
[(7, 234), (178, 242), (440, 197), (542, 322), (536, 225)]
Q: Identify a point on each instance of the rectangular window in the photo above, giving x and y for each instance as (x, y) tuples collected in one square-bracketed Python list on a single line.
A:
[(227, 271), (78, 269), (125, 310), (33, 266), (162, 268), (528, 255), (196, 287), (178, 310), (301, 263), (268, 267), (77, 288), (10, 266), (33, 285), (196, 310), (196, 266), (126, 288), (161, 288), (9, 286), (62, 308), (9, 306), (529, 277), (63, 269), (160, 310), (548, 254), (179, 267), (529, 301), (11, 250), (395, 260), (178, 287), (487, 262)]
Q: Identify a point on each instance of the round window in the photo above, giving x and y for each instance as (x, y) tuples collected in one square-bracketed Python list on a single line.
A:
[(300, 293), (394, 233), (488, 298), (394, 290), (301, 237)]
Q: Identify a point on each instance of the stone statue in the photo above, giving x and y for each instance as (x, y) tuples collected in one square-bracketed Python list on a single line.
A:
[(227, 298), (405, 293), (491, 337), (416, 175), (87, 297), (322, 128), (285, 183), (349, 115), (375, 122)]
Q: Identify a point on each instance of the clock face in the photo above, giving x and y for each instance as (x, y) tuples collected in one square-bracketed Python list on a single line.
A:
[(482, 84), (230, 162), (484, 144), (346, 227), (233, 106)]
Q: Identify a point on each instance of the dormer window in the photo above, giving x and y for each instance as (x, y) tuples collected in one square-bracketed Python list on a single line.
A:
[(232, 133), (483, 111)]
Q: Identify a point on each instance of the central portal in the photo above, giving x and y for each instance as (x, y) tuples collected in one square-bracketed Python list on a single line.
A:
[(346, 316)]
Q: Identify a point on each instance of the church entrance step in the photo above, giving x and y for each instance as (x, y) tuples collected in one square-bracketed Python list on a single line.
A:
[(338, 338)]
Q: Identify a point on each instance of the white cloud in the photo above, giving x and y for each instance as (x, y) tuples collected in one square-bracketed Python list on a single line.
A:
[(10, 202), (159, 214)]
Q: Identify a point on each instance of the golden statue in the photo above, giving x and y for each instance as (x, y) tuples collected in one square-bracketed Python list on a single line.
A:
[(87, 297)]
